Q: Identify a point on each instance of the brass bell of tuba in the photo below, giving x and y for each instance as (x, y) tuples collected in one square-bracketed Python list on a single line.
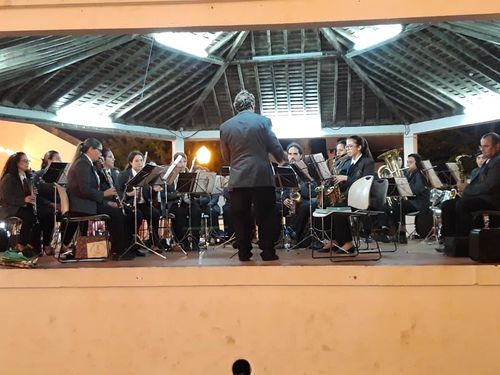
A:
[(392, 167)]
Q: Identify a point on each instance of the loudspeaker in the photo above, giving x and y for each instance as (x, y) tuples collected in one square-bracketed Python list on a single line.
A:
[(456, 246), (483, 245)]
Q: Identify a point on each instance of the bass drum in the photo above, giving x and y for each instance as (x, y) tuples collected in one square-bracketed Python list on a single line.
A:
[(423, 223)]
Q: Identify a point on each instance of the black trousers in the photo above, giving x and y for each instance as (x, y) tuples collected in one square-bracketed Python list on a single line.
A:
[(30, 231), (301, 217), (144, 212), (456, 215), (264, 204), (45, 215), (228, 219), (184, 215)]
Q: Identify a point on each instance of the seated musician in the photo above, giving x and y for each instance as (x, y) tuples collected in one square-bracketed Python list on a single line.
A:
[(135, 162), (342, 160), (301, 211), (482, 193), (45, 204), (361, 165), (419, 202), (16, 199), (186, 212), (85, 198)]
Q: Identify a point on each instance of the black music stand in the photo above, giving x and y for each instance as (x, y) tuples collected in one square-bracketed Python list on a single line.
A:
[(54, 175), (286, 178), (398, 189), (315, 167), (186, 184), (142, 179), (169, 177)]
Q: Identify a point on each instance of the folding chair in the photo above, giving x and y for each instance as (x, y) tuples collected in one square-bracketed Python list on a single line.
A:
[(92, 251)]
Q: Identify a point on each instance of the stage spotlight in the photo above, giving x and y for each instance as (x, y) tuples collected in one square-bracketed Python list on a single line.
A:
[(203, 155)]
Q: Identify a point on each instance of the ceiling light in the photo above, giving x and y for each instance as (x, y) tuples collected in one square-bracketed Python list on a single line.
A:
[(372, 35), (294, 126), (195, 44), (83, 115)]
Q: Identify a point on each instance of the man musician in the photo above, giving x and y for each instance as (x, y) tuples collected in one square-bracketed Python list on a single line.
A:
[(482, 193), (300, 209)]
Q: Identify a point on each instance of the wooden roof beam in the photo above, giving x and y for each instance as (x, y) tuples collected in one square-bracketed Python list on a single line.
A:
[(330, 37)]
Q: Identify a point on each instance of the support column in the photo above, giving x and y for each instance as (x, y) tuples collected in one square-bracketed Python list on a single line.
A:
[(177, 145), (410, 144)]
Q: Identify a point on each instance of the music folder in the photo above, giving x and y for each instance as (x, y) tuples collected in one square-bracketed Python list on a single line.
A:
[(204, 182), (431, 174), (56, 173), (141, 178), (285, 177), (172, 171), (301, 170)]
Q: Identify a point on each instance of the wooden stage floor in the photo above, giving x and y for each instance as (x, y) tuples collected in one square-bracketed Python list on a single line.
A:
[(415, 253)]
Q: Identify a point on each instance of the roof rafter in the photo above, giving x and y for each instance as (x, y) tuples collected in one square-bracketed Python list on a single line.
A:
[(230, 56), (331, 38)]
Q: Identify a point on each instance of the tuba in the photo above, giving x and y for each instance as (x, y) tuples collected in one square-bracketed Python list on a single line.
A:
[(391, 168)]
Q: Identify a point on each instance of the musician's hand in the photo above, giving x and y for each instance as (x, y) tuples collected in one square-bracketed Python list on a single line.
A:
[(29, 199), (339, 178), (288, 203), (157, 188), (110, 192), (113, 204), (461, 186)]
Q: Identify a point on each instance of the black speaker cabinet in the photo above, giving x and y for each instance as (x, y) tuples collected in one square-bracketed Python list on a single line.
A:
[(484, 245)]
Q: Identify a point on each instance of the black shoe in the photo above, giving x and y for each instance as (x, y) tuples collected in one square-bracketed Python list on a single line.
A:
[(245, 257), (402, 238), (139, 253), (440, 248), (269, 257), (318, 246), (341, 251), (126, 256)]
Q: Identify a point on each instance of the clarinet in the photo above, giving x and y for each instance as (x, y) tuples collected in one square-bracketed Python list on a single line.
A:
[(34, 193), (109, 179)]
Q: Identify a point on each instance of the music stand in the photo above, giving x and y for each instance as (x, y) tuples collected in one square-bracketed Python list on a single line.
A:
[(142, 179), (54, 175), (432, 176), (285, 179), (318, 170), (186, 184)]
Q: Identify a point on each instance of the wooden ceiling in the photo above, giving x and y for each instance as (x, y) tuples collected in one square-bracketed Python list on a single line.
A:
[(426, 72)]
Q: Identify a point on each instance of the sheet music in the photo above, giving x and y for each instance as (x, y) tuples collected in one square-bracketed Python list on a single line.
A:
[(322, 166), (431, 174), (403, 187), (221, 183), (205, 182), (453, 168), (172, 171), (301, 168), (63, 178)]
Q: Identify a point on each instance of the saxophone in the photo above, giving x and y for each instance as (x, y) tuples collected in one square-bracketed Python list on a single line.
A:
[(330, 189), (462, 174)]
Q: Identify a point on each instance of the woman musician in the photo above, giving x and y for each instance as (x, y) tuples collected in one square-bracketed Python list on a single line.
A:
[(108, 178), (17, 199), (135, 162), (45, 204), (186, 211), (86, 198), (361, 164)]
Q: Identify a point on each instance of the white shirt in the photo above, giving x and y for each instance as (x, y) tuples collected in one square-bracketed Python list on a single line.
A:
[(95, 173), (141, 198), (354, 161)]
